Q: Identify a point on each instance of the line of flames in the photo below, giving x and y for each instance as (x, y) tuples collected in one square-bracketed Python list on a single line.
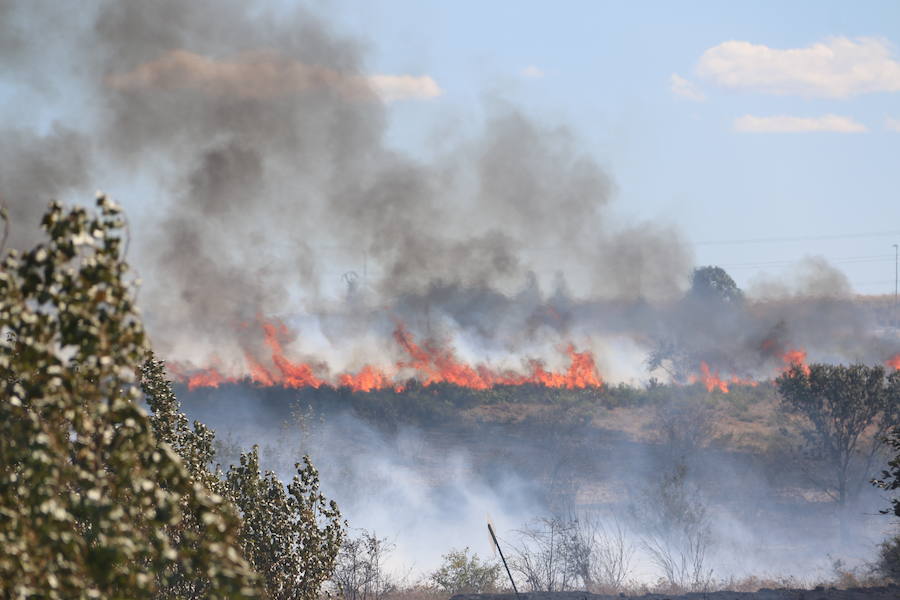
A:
[(433, 363), (713, 382)]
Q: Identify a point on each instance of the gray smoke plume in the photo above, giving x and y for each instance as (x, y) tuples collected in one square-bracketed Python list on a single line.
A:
[(35, 169), (265, 135), (261, 132)]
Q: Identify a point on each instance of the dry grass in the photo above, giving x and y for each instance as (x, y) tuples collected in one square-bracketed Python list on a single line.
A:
[(842, 581)]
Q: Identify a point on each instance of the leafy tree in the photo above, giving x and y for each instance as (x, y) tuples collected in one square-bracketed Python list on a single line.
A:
[(890, 478), (461, 573), (87, 495), (170, 425), (888, 563), (291, 536), (195, 448), (849, 410), (715, 296), (714, 283)]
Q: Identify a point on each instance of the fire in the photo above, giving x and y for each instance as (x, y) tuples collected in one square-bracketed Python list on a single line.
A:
[(258, 373), (431, 363), (893, 361), (582, 372), (438, 364), (709, 379), (368, 379), (795, 357), (735, 380), (208, 378), (293, 375)]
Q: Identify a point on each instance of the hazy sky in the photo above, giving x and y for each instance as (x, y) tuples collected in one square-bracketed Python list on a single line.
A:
[(737, 121)]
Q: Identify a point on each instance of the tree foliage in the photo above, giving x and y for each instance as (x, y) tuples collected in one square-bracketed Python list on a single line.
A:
[(291, 536), (195, 449), (890, 477), (170, 425), (887, 563), (715, 284), (88, 498), (849, 410)]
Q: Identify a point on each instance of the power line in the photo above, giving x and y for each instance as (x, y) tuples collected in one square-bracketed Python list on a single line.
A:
[(874, 258), (799, 238)]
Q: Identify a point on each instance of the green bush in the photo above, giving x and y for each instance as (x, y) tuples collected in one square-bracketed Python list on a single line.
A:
[(464, 574)]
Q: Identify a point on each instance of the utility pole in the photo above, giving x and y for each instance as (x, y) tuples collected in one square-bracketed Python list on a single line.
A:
[(496, 543), (896, 257)]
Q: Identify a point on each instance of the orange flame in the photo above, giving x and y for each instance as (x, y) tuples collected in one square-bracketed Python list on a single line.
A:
[(795, 357), (893, 361), (709, 379), (735, 380), (258, 373), (431, 362), (208, 378), (368, 379), (293, 375), (440, 365), (582, 372)]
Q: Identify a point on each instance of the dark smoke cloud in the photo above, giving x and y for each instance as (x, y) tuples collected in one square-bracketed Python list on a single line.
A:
[(267, 134)]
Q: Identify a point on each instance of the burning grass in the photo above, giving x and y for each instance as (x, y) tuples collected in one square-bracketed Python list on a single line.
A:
[(431, 362)]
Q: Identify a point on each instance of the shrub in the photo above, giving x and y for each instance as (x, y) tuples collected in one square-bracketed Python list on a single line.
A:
[(461, 573), (888, 563)]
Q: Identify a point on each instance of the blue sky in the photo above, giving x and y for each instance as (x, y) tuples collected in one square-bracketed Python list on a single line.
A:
[(606, 69)]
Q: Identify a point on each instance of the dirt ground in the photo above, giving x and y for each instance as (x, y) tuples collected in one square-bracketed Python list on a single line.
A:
[(891, 592)]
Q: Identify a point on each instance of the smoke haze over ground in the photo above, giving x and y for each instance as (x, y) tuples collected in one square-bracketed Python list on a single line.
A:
[(430, 486)]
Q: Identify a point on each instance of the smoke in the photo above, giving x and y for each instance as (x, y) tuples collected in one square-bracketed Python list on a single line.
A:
[(430, 487), (263, 133), (813, 277), (34, 169)]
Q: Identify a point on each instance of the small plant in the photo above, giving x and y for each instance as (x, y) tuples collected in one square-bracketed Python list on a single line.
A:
[(359, 572), (677, 531), (888, 562), (461, 573)]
